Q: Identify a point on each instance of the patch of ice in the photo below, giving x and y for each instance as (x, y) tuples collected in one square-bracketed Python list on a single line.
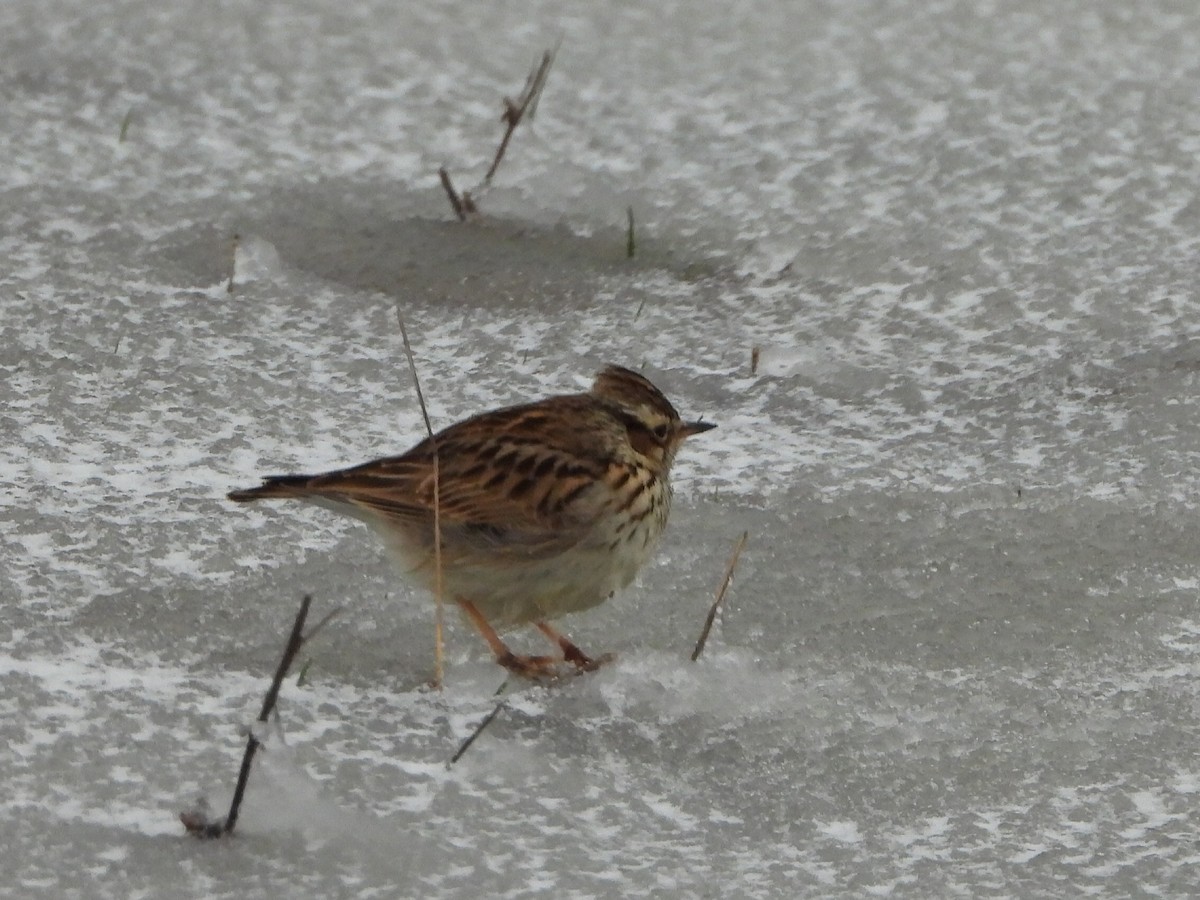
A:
[(843, 831)]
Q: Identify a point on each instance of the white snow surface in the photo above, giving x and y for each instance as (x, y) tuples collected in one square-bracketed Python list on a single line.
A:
[(960, 654)]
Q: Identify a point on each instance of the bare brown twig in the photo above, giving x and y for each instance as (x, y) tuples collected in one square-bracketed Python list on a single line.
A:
[(196, 821), (725, 582), (524, 106), (515, 112)]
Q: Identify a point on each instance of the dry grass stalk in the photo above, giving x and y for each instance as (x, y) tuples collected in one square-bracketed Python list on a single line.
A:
[(721, 591), (439, 605), (233, 262)]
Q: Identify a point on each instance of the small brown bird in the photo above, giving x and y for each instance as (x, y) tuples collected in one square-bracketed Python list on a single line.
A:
[(545, 509)]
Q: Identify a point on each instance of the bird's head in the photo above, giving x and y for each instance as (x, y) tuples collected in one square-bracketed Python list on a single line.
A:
[(655, 428)]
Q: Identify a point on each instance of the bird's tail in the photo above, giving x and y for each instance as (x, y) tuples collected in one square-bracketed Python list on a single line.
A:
[(274, 487)]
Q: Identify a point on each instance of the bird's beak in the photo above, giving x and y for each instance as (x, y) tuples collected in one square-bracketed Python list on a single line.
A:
[(690, 428)]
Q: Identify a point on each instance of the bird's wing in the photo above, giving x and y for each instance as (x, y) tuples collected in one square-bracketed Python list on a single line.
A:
[(516, 481)]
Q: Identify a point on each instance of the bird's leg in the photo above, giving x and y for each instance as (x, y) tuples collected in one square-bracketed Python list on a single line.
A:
[(570, 650), (526, 666)]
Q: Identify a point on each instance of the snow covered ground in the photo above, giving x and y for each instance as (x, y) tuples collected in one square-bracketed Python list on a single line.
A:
[(960, 654)]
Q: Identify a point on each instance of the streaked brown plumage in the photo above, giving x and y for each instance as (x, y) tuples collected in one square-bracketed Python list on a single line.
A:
[(546, 508)]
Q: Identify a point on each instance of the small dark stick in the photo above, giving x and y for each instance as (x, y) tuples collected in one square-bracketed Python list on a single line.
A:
[(630, 244), (487, 720), (295, 640), (196, 822), (455, 202), (466, 745), (712, 612), (525, 105), (755, 352)]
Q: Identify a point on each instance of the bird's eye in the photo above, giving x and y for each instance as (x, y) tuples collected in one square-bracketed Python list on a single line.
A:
[(661, 432)]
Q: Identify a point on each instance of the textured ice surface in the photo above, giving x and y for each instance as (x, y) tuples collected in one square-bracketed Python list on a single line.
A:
[(960, 657)]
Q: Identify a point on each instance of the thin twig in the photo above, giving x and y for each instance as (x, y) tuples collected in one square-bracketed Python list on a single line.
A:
[(455, 201), (312, 632), (233, 262), (725, 582), (195, 822), (755, 353), (439, 614), (630, 244), (295, 640), (479, 729), (536, 82), (466, 745), (525, 105)]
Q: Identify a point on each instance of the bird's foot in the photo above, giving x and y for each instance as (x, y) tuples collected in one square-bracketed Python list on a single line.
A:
[(535, 668), (585, 663), (571, 652)]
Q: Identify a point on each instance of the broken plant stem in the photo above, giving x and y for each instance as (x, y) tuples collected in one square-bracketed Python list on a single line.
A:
[(525, 105), (725, 582)]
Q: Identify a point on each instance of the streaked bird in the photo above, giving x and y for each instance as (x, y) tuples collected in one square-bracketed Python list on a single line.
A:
[(545, 509)]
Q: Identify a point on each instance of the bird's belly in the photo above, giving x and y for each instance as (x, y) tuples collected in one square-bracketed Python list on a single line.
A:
[(511, 591)]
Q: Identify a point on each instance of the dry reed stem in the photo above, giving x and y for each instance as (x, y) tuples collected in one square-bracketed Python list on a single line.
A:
[(233, 262), (479, 729), (439, 604), (721, 591)]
